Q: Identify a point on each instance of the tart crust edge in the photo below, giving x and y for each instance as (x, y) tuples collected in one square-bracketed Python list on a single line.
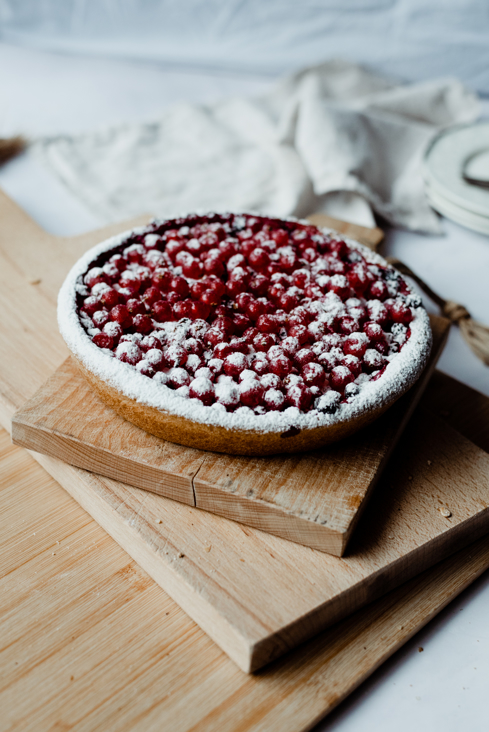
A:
[(215, 438)]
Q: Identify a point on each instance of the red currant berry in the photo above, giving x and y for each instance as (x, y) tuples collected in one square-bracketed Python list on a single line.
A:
[(126, 293), (356, 344), (259, 259), (313, 375), (94, 276), (263, 341), (250, 334), (175, 356), (301, 278), (240, 323), (114, 330), (373, 331), (316, 330), (290, 346), (281, 366), (182, 309), (162, 311), (203, 389), (145, 368), (215, 366), (90, 305), (142, 324), (150, 343), (339, 247), (377, 312), (199, 311), (102, 340), (255, 309), (151, 295), (234, 364), (268, 324), (303, 356), (227, 249), (378, 290), (118, 261), (280, 237), (235, 287), (251, 393), (352, 363), (128, 353), (210, 239), (224, 320), (173, 297), (288, 301), (227, 395), (120, 314), (359, 278), (242, 301), (340, 376), (215, 336), (300, 333), (339, 285), (134, 253), (110, 298), (178, 377), (193, 345), (373, 361), (276, 290), (210, 298), (330, 359), (180, 286), (258, 285), (222, 350), (400, 312), (197, 289), (193, 268), (260, 366), (218, 287), (173, 247), (214, 266), (271, 381), (274, 400), (135, 306), (299, 396), (100, 318), (348, 325)]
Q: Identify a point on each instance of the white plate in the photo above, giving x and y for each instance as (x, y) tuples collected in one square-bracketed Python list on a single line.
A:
[(447, 158), (451, 210)]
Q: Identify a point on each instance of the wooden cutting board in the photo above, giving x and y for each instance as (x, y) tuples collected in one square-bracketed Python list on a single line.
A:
[(256, 595), (314, 499), (90, 642)]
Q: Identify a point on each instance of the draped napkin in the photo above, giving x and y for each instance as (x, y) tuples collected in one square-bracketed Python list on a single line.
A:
[(335, 138)]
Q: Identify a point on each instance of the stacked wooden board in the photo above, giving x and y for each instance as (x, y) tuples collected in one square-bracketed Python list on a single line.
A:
[(219, 697), (89, 641), (313, 498)]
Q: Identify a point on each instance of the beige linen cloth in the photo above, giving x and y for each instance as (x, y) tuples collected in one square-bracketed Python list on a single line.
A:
[(334, 138)]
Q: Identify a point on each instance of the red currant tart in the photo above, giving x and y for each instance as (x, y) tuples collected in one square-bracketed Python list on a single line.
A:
[(241, 333)]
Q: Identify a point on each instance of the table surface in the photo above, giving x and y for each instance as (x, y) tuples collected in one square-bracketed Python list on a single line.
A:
[(443, 688)]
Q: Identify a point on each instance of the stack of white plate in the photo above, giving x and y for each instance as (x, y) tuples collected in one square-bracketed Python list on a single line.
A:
[(456, 175)]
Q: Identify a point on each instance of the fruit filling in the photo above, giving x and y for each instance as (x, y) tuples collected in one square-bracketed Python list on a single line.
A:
[(247, 312)]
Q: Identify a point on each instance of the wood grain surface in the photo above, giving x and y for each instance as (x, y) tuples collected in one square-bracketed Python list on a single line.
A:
[(314, 499), (89, 642), (72, 656), (255, 594), (370, 237)]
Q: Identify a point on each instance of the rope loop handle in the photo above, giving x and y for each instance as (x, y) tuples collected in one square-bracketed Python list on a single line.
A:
[(454, 311)]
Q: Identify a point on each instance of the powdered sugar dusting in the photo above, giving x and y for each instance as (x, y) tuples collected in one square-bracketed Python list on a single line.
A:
[(185, 399)]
